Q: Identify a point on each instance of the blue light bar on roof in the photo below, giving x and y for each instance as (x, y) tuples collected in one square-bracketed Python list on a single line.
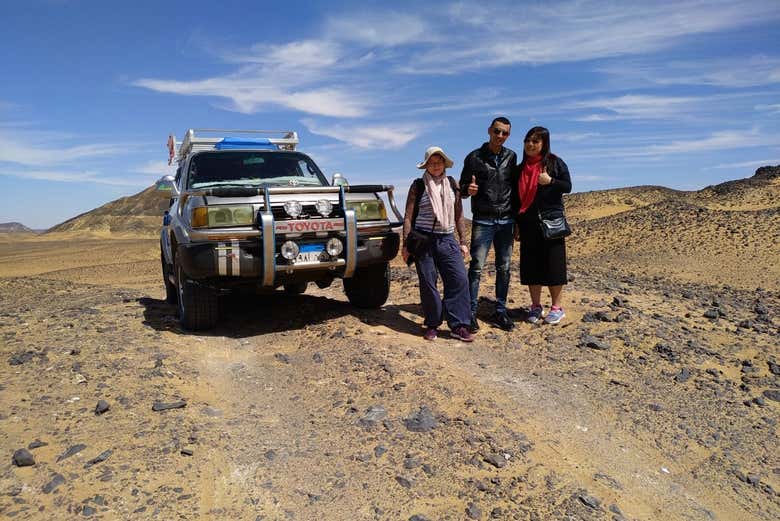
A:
[(236, 143)]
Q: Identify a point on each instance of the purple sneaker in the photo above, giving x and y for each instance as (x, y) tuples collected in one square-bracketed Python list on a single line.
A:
[(462, 333), (554, 316), (534, 314), (430, 333)]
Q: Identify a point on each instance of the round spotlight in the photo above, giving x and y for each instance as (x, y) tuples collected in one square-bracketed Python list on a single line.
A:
[(290, 250), (324, 207), (293, 208), (334, 247)]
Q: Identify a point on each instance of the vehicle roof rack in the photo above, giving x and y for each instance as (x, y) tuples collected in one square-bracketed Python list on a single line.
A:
[(284, 139)]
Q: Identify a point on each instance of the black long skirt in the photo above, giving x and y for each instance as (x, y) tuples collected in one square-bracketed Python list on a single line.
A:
[(541, 262)]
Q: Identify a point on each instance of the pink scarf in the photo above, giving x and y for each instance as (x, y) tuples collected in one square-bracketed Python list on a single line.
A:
[(442, 199), (529, 181)]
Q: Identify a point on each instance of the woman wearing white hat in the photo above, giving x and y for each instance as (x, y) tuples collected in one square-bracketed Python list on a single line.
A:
[(433, 213)]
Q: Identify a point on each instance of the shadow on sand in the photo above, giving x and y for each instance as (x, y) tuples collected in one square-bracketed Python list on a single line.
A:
[(250, 315)]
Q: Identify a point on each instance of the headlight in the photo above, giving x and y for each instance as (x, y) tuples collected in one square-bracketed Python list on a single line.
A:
[(334, 247), (290, 250), (324, 207), (293, 208), (373, 210), (222, 216)]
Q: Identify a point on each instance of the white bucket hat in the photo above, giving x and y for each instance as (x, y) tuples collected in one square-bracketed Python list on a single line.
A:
[(432, 151)]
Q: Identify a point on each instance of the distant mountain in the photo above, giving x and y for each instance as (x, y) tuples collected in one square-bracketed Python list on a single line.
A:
[(730, 230), (14, 228), (135, 215)]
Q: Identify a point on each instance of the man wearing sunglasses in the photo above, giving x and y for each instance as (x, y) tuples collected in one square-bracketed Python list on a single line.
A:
[(487, 179)]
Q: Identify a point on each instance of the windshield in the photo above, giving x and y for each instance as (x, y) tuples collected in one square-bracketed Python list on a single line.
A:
[(253, 167)]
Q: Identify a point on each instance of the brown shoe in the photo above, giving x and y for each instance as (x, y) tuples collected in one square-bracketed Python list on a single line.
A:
[(430, 333), (462, 333)]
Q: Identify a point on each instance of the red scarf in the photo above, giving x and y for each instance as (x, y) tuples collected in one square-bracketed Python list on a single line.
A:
[(529, 181)]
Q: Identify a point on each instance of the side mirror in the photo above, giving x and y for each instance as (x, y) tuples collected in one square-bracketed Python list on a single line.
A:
[(339, 180), (166, 187)]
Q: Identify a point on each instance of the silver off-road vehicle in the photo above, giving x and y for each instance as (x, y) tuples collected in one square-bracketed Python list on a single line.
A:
[(255, 214)]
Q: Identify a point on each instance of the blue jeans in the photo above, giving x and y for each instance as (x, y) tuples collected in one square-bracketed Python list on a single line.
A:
[(444, 259), (501, 235)]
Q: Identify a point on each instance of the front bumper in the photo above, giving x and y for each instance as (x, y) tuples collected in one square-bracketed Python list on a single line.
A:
[(245, 259)]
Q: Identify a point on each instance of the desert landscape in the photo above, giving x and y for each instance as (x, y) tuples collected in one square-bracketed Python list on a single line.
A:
[(657, 398)]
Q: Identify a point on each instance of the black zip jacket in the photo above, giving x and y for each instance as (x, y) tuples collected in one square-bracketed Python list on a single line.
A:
[(549, 198), (495, 180)]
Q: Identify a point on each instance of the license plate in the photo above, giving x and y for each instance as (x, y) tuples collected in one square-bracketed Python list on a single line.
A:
[(310, 253)]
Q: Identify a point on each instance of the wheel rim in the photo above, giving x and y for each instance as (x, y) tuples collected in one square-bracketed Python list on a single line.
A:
[(180, 290)]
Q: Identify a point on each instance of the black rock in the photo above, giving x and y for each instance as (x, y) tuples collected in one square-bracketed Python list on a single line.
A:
[(186, 452), (496, 513), (656, 407), (21, 358), (760, 309), (282, 358), (379, 450), (421, 421), (666, 351), (712, 314), (101, 407), (753, 479), (36, 444), (373, 416), (683, 376), (772, 394), (418, 517), (318, 358), (412, 463), (88, 511), (404, 482), (774, 368), (51, 486), (23, 458), (103, 456), (473, 511), (590, 501), (497, 460), (594, 343), (161, 406), (75, 449)]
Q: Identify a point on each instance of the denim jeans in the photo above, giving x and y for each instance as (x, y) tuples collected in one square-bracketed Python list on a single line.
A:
[(501, 235), (446, 261)]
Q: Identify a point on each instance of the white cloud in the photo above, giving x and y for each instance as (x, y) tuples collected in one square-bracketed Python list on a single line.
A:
[(44, 154), (633, 106), (737, 72), (769, 109), (385, 137), (155, 168), (749, 164), (384, 29), (83, 176), (578, 30)]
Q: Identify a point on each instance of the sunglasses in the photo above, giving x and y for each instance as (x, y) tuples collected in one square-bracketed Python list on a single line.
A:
[(500, 132)]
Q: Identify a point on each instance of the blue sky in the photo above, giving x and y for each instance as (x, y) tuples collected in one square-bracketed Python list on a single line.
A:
[(682, 94)]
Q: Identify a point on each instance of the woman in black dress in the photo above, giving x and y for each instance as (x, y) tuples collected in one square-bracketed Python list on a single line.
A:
[(542, 180)]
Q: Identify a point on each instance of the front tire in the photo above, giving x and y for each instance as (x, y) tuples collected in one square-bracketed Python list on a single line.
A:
[(171, 293), (369, 287), (198, 305)]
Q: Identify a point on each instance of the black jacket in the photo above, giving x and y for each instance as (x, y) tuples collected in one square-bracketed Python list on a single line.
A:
[(549, 198), (495, 180)]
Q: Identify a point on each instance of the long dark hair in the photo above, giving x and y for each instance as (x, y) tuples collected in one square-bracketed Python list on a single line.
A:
[(548, 157)]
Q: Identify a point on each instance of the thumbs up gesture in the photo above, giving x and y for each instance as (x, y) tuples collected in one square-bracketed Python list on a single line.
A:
[(473, 188)]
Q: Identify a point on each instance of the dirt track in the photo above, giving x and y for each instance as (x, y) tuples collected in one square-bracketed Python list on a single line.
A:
[(301, 407)]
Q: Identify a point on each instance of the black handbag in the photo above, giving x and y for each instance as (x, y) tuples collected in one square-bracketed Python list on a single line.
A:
[(554, 227), (418, 243)]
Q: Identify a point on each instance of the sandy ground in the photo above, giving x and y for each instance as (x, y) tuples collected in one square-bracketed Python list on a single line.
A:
[(637, 407)]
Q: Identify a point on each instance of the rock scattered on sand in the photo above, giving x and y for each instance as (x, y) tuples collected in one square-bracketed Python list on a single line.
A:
[(101, 407), (404, 482), (683, 375), (590, 501), (283, 358), (473, 511), (75, 449), (103, 456), (374, 415), (421, 421), (88, 511), (161, 406), (23, 458), (36, 444), (497, 460), (51, 486), (594, 343), (773, 394)]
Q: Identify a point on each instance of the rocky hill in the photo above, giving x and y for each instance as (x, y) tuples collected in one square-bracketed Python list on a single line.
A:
[(14, 227), (137, 215)]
